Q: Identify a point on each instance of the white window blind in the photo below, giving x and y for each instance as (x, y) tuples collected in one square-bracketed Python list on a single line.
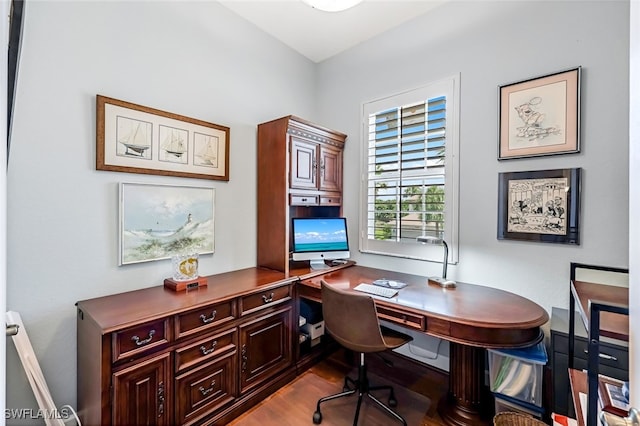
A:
[(410, 171)]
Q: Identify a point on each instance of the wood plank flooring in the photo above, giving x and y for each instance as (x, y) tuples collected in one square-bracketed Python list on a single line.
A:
[(407, 373)]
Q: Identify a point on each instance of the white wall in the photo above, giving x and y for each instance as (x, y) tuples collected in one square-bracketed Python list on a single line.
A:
[(196, 59), (492, 44), (200, 60)]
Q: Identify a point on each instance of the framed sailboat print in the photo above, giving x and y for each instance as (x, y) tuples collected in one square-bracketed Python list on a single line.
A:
[(137, 139)]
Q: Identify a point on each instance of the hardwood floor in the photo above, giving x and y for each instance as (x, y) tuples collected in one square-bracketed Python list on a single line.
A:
[(407, 373)]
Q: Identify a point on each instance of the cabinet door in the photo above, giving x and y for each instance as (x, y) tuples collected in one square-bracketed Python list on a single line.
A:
[(265, 347), (142, 394), (304, 164), (330, 168)]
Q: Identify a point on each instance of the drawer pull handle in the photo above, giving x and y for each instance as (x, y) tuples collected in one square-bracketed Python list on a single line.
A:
[(304, 200), (204, 391), (160, 399), (145, 341), (604, 356), (244, 358), (266, 299), (211, 318), (206, 351)]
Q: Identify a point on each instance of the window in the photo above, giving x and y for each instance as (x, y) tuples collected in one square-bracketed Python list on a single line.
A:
[(410, 171)]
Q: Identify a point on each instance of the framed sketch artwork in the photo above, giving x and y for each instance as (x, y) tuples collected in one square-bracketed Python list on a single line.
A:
[(540, 116), (136, 139), (540, 206), (159, 221)]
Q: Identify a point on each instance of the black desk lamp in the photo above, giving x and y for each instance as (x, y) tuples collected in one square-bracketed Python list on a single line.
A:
[(441, 281)]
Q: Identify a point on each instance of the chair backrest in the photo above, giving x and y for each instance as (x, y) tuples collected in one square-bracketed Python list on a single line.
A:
[(351, 319)]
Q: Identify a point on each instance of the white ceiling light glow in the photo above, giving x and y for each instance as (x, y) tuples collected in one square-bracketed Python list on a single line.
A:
[(332, 5)]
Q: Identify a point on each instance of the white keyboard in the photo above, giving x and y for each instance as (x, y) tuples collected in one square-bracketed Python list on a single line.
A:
[(376, 290)]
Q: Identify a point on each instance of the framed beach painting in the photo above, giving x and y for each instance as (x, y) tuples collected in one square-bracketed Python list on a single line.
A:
[(541, 206), (137, 139), (159, 221), (540, 116)]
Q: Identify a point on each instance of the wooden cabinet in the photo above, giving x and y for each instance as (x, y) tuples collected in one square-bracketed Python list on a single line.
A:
[(299, 174), (159, 357)]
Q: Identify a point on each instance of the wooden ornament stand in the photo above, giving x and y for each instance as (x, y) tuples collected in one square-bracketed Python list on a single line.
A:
[(185, 285)]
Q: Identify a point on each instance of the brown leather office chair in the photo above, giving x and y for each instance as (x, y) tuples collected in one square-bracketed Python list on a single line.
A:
[(351, 319)]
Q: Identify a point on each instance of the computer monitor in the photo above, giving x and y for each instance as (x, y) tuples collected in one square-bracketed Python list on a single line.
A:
[(318, 239)]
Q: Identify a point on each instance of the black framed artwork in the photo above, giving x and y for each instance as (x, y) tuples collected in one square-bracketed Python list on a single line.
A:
[(541, 206)]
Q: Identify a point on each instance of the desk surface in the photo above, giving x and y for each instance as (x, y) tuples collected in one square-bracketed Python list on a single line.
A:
[(469, 314)]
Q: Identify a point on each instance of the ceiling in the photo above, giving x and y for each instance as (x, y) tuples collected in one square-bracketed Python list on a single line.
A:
[(320, 35)]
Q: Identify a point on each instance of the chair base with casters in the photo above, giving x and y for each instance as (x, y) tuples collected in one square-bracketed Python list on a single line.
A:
[(362, 388)]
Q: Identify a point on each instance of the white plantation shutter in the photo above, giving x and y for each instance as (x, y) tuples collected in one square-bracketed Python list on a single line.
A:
[(410, 171)]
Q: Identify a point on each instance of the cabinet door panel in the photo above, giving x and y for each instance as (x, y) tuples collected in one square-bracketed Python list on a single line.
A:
[(142, 393), (303, 164), (330, 169), (265, 348)]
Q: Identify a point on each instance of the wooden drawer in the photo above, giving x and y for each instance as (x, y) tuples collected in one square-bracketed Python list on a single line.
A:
[(303, 200), (407, 320), (330, 200), (274, 296), (205, 389), (135, 340), (204, 318), (206, 349)]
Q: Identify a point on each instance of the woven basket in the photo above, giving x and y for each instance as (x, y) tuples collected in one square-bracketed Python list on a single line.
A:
[(515, 419)]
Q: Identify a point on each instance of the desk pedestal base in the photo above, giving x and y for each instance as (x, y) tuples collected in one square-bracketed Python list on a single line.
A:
[(462, 405)]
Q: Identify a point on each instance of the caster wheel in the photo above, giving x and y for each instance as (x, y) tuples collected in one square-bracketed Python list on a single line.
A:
[(392, 402), (317, 418)]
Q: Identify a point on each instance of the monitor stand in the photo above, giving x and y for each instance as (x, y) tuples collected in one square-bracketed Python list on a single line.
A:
[(317, 264)]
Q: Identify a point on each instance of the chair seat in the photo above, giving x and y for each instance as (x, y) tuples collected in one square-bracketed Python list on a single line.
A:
[(394, 339)]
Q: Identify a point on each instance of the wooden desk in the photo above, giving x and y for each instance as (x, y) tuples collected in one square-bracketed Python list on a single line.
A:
[(470, 317), (160, 357)]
